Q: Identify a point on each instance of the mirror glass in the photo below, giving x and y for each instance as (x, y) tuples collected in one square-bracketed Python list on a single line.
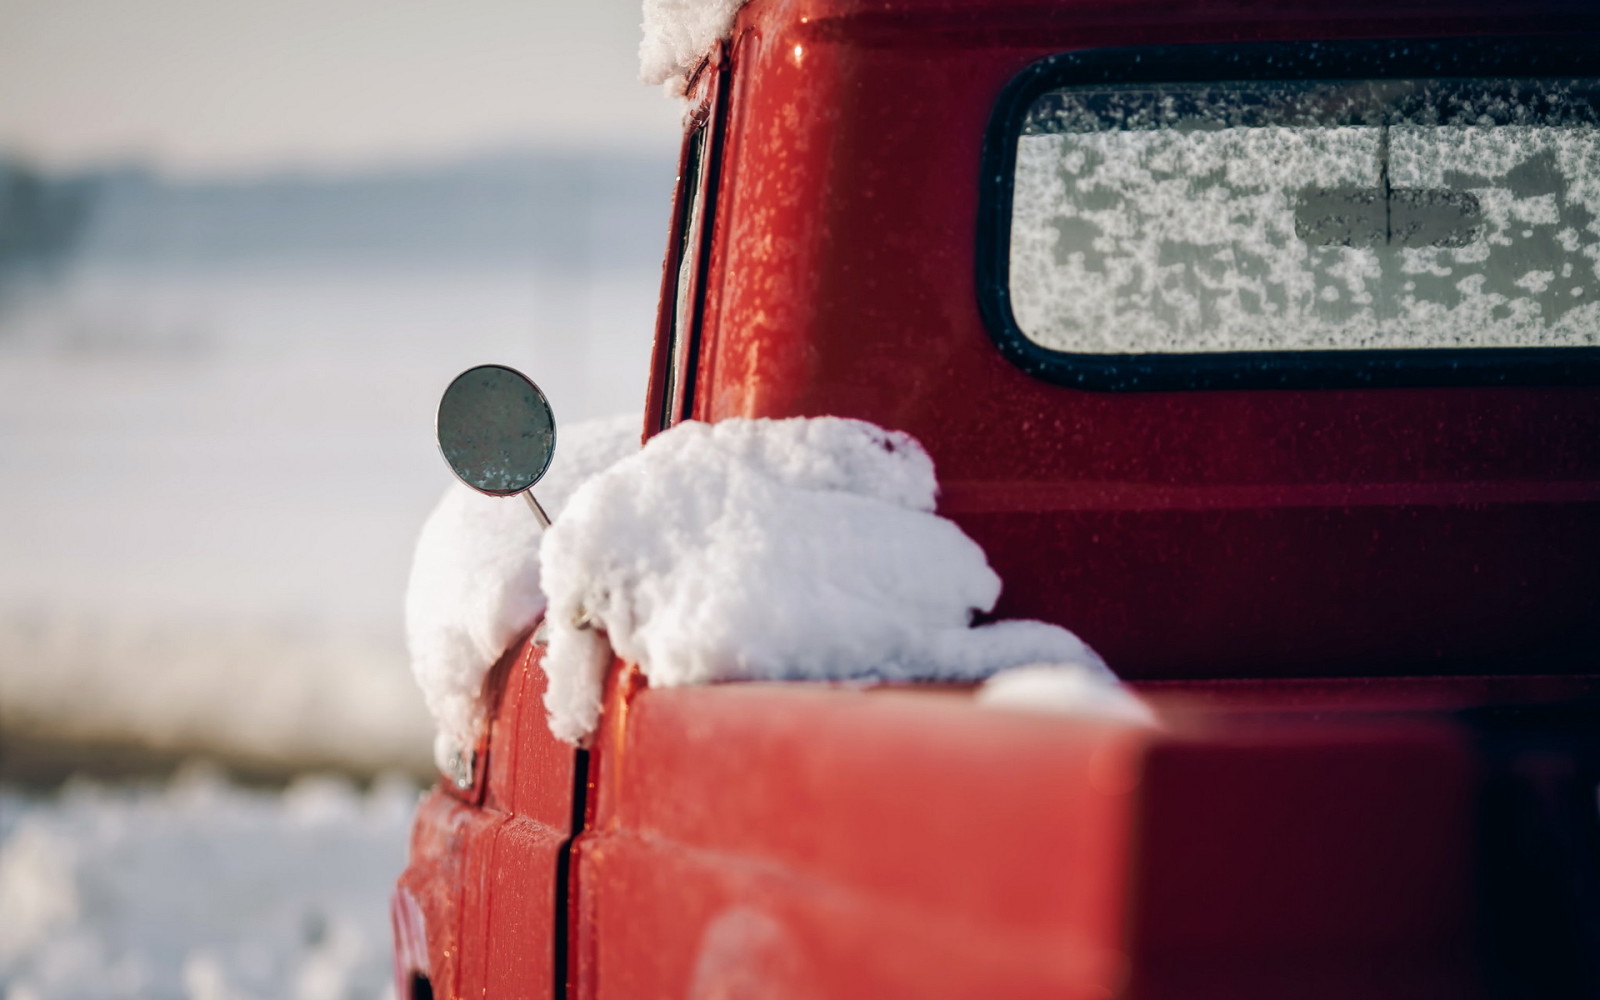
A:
[(496, 430)]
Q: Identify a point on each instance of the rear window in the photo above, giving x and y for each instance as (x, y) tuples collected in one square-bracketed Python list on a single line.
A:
[(1275, 223)]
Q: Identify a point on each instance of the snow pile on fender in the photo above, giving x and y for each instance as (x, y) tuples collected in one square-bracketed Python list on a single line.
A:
[(774, 549), (678, 34), (475, 579)]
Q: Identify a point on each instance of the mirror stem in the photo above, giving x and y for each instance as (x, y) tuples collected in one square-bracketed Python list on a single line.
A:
[(538, 511)]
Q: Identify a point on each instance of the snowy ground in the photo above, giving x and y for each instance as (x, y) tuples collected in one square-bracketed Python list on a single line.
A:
[(199, 889)]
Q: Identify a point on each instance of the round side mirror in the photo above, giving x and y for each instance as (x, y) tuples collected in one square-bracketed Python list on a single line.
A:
[(497, 431)]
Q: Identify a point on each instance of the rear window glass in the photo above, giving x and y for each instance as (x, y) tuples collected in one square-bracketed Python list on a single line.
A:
[(1307, 215)]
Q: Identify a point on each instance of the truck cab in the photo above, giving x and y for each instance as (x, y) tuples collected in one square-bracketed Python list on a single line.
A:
[(1259, 344)]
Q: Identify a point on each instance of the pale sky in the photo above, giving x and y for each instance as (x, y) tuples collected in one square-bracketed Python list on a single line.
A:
[(209, 86)]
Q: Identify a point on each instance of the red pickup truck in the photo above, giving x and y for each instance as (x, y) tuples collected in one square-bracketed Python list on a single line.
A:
[(1259, 344)]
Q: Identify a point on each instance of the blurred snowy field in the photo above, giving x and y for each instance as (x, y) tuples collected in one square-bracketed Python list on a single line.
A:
[(198, 889), (216, 441), (216, 454), (216, 438), (213, 483)]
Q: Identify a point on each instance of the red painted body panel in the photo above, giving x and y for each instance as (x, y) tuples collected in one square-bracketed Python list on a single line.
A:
[(1323, 861), (790, 862), (483, 886), (426, 906), (829, 841), (1324, 592), (1183, 534)]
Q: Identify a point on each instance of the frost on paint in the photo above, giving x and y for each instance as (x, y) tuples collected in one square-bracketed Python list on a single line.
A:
[(678, 34), (475, 579), (787, 549), (1064, 689)]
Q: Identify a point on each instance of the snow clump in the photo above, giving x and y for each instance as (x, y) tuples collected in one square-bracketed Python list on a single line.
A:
[(804, 548), (1065, 689), (678, 34), (475, 579)]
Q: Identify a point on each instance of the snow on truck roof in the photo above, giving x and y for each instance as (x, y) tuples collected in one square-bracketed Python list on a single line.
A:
[(678, 34)]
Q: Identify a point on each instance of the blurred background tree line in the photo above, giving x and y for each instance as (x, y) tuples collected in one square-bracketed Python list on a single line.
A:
[(42, 219)]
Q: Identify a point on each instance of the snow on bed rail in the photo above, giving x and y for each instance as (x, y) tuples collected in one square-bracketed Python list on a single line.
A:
[(475, 579), (776, 549), (679, 33), (1063, 689)]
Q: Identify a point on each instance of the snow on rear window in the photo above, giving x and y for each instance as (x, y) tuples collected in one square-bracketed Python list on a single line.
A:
[(1309, 216)]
